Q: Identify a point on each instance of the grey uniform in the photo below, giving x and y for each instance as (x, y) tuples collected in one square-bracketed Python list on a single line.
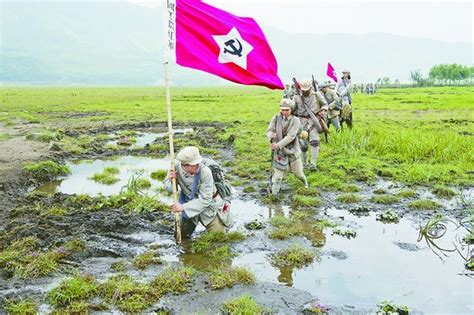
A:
[(288, 152), (316, 102), (206, 204)]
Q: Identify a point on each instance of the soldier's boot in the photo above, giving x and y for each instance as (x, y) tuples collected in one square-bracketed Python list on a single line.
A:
[(305, 182), (276, 188), (314, 157)]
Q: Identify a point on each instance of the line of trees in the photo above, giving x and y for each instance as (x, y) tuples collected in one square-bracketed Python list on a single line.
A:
[(445, 74)]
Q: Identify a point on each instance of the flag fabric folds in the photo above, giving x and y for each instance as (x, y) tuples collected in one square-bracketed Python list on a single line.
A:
[(206, 38), (331, 72)]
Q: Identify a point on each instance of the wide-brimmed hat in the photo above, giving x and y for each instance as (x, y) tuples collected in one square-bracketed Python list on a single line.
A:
[(346, 71), (306, 85), (322, 85), (189, 155)]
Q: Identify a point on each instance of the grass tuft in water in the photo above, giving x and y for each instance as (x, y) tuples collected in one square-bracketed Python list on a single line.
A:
[(118, 266), (145, 259), (24, 259), (209, 240), (159, 175), (348, 198), (243, 305), (76, 290), (388, 216), (407, 193), (350, 188), (443, 192), (75, 245), (46, 170), (128, 295), (345, 233), (385, 199), (20, 306), (229, 276), (424, 204), (380, 191), (306, 201), (107, 177), (388, 307), (293, 256), (174, 281)]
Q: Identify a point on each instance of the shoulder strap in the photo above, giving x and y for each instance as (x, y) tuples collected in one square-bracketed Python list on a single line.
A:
[(279, 128)]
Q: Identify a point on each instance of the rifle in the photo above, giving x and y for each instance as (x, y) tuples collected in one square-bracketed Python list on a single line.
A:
[(319, 122), (314, 83), (271, 172)]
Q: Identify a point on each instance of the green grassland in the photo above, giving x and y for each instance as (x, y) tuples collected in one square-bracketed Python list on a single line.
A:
[(412, 135)]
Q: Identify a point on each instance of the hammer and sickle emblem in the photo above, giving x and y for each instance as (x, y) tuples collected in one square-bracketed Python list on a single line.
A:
[(237, 51)]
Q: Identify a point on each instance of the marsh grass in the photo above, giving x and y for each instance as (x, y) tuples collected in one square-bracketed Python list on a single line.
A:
[(293, 256), (118, 266), (443, 192), (159, 175), (127, 294), (351, 188), (306, 201), (385, 199), (348, 233), (107, 177), (24, 259), (46, 170), (20, 306), (388, 216), (348, 198), (211, 240), (4, 136), (229, 276), (424, 204), (145, 259), (242, 305), (75, 245), (407, 193), (299, 224), (73, 292)]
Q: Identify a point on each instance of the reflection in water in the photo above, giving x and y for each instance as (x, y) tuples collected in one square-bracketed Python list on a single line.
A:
[(373, 268), (79, 181), (146, 138), (286, 275)]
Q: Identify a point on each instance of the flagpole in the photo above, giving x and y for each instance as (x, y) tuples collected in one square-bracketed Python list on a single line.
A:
[(177, 216)]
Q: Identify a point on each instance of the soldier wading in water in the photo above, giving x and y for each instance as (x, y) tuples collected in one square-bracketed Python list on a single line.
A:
[(283, 132)]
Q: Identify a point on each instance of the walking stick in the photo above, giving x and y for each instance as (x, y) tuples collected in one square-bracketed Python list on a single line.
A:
[(177, 216)]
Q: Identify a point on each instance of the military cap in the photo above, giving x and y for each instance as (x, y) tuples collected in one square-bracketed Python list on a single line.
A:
[(189, 155)]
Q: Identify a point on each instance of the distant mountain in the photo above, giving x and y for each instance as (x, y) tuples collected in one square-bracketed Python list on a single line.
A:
[(116, 43)]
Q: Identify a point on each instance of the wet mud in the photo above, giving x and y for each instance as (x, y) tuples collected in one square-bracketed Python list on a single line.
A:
[(383, 261)]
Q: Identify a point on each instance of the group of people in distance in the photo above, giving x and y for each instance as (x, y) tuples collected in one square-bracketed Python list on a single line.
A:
[(305, 113)]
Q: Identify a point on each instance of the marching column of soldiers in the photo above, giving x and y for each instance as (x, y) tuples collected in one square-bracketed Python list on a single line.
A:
[(306, 111)]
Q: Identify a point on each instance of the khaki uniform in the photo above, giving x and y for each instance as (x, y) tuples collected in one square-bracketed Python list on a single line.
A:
[(332, 99), (315, 101), (206, 206), (343, 88), (288, 154)]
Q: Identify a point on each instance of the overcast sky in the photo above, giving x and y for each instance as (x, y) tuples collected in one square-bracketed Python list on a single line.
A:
[(440, 20)]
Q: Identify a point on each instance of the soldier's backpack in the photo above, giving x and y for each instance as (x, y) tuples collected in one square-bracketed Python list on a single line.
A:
[(223, 187)]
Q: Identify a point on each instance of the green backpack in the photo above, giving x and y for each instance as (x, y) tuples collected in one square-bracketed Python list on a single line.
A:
[(223, 187)]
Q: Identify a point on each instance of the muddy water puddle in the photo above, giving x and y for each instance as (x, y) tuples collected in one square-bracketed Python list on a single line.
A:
[(143, 139), (80, 182), (383, 262)]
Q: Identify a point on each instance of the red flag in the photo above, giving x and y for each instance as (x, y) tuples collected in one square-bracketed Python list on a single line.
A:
[(331, 72), (215, 41)]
